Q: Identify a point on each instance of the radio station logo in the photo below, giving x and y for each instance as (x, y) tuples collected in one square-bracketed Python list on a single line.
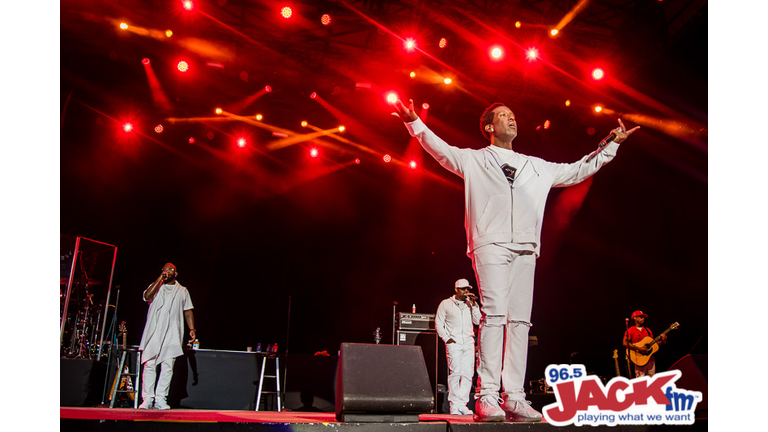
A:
[(583, 399)]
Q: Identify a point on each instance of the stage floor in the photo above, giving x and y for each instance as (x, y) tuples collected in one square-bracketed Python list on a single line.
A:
[(128, 419)]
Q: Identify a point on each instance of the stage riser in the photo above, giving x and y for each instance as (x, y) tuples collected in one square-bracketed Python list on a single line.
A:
[(148, 426)]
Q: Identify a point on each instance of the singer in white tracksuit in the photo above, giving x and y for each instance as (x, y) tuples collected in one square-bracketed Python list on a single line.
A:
[(503, 219), (454, 322)]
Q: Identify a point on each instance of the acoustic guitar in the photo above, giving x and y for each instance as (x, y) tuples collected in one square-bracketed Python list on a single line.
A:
[(653, 344)]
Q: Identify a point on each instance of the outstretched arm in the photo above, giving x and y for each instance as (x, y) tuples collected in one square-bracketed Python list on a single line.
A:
[(406, 114)]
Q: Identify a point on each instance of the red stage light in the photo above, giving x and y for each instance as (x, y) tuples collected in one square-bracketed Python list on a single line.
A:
[(128, 127), (497, 53), (357, 161), (391, 97), (188, 5), (191, 140), (145, 61), (410, 44), (387, 158), (159, 128), (412, 165), (518, 24), (313, 152), (325, 19), (547, 124), (598, 108), (443, 43), (267, 89), (182, 66), (425, 106), (286, 12), (313, 95), (532, 54), (241, 142), (598, 74)]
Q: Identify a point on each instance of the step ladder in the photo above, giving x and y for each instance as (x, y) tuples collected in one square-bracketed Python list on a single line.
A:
[(121, 374), (276, 377)]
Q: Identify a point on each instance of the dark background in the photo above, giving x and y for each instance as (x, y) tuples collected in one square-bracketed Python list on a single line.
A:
[(255, 231)]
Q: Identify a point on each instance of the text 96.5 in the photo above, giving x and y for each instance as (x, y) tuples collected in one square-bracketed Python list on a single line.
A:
[(561, 373)]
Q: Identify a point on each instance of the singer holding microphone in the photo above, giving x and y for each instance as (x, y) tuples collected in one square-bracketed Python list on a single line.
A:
[(169, 306), (505, 194), (454, 322)]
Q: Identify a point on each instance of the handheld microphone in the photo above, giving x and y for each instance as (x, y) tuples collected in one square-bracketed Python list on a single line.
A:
[(607, 139)]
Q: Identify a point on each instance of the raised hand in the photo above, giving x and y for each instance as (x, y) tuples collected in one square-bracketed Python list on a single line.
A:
[(406, 114)]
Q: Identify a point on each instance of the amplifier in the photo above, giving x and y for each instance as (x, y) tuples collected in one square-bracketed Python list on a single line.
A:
[(413, 321)]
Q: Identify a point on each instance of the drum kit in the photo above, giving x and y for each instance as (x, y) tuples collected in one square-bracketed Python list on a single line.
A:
[(83, 321)]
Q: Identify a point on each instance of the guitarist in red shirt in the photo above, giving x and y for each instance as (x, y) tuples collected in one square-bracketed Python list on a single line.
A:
[(635, 340)]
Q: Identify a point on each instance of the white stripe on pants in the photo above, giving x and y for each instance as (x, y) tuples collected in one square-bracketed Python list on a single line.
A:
[(148, 389), (461, 364), (505, 284)]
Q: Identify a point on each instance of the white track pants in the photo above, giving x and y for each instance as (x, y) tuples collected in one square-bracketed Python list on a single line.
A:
[(461, 366), (505, 283), (148, 388)]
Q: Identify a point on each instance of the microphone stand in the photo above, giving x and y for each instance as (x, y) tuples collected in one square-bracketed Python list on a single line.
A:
[(626, 351), (394, 319)]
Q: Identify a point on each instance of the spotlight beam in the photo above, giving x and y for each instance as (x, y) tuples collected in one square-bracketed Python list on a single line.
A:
[(156, 90), (571, 14), (285, 142)]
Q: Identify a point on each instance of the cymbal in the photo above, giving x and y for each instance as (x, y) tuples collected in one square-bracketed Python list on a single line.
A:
[(83, 281)]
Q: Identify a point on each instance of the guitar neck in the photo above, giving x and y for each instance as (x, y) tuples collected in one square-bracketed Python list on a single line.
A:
[(658, 338)]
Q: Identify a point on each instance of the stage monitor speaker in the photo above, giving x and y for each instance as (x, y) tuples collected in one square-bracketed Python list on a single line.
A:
[(382, 383), (427, 340), (694, 377)]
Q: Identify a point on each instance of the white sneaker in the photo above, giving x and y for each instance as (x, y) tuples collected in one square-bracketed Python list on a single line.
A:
[(520, 410), (161, 405), (487, 409), (460, 410), (465, 411), (147, 404)]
